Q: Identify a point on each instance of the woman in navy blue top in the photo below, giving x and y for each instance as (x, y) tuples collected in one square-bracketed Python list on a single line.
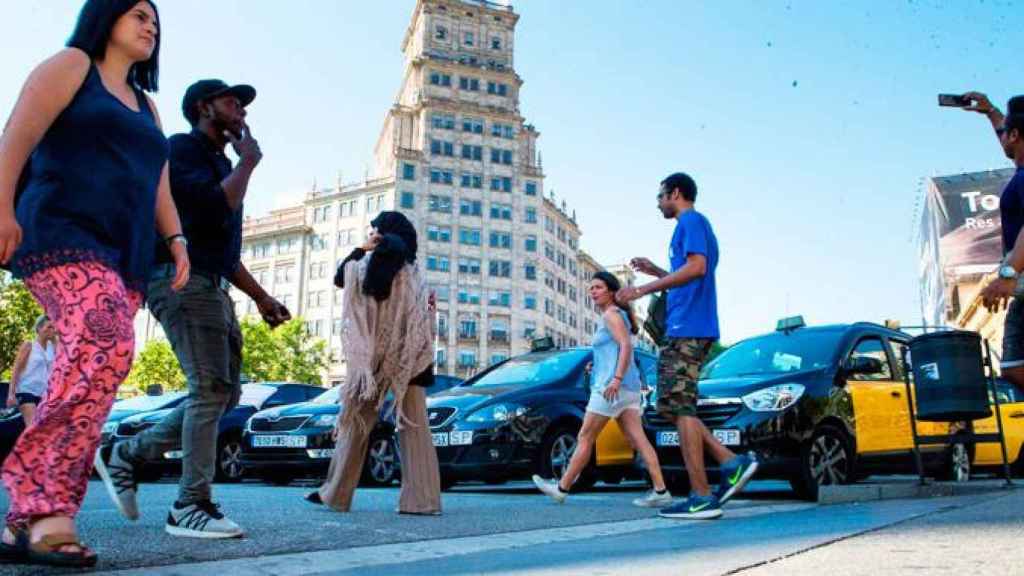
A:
[(78, 229)]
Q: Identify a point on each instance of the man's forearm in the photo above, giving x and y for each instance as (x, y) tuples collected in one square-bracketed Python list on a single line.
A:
[(237, 183), (995, 116), (684, 275), (244, 281)]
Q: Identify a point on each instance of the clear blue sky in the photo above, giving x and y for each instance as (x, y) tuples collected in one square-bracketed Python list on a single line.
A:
[(807, 125)]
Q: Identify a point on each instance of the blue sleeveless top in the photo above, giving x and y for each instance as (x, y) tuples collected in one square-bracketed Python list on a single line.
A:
[(606, 360), (91, 187)]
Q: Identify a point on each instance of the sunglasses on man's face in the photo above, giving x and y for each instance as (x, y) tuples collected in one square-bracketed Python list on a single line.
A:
[(1000, 131)]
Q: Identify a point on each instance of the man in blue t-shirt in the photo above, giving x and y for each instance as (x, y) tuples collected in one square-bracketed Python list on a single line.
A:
[(691, 327), (1010, 132)]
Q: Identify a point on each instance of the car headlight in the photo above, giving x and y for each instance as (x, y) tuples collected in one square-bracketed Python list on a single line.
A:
[(497, 413), (109, 427), (774, 398), (324, 420)]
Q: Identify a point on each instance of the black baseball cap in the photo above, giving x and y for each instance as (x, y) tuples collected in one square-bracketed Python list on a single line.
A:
[(209, 89)]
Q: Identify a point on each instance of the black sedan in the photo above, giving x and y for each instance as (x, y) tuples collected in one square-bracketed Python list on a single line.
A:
[(818, 405), (132, 407), (521, 417), (282, 444), (255, 397)]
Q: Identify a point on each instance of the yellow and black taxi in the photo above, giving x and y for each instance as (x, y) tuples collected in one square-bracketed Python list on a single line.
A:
[(988, 455), (521, 417), (817, 405)]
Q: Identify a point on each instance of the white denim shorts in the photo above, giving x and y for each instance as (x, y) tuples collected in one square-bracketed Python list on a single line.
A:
[(626, 400)]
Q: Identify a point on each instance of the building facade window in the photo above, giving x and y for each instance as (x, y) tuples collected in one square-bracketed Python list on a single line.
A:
[(438, 203), (530, 243), (470, 84), (501, 211), (500, 298), (531, 188), (501, 240), (472, 152), (440, 79), (408, 200), (469, 236), (469, 266), (500, 268), (408, 173), (530, 215), (470, 207), (471, 180), (530, 271), (441, 148), (439, 233), (530, 300), (443, 121), (469, 295), (438, 176), (473, 125), (438, 263)]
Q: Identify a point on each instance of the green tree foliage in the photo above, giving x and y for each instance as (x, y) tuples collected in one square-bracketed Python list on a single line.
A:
[(156, 364), (287, 353), (18, 313), (716, 349)]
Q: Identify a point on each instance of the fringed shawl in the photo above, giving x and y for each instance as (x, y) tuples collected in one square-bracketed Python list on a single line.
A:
[(386, 344)]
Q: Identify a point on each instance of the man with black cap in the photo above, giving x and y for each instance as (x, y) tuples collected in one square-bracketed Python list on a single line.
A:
[(199, 320), (1007, 286)]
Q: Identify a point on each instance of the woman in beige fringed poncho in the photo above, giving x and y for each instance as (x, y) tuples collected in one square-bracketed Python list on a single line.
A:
[(388, 342)]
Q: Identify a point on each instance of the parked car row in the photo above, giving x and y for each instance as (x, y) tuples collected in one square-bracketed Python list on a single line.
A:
[(818, 405)]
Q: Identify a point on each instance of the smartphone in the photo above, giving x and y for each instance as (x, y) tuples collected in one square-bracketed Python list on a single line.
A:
[(954, 100)]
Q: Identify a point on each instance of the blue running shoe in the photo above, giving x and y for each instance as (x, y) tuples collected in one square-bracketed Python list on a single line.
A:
[(694, 508), (735, 475)]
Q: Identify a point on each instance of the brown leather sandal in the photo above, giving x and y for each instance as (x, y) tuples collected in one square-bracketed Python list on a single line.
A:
[(48, 552)]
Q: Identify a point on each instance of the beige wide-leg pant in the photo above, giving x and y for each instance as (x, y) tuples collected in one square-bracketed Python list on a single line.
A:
[(421, 480)]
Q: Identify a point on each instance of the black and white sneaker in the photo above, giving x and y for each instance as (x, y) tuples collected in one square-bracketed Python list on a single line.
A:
[(200, 520), (118, 476)]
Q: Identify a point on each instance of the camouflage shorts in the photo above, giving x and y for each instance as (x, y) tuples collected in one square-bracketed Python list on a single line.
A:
[(678, 367)]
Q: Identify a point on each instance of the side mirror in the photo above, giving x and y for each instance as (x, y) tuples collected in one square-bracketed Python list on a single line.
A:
[(273, 404), (863, 365)]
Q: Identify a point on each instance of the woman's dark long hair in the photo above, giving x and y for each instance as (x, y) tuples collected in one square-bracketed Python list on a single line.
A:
[(92, 33), (613, 285), (397, 248)]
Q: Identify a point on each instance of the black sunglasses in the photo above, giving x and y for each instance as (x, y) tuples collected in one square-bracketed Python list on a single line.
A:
[(1000, 131)]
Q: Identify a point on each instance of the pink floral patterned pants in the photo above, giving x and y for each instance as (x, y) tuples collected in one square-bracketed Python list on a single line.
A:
[(48, 470)]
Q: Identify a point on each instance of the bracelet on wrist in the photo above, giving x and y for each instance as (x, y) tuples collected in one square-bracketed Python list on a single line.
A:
[(179, 237)]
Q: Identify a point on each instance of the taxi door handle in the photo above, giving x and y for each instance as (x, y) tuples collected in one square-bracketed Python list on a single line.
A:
[(895, 394), (1017, 414)]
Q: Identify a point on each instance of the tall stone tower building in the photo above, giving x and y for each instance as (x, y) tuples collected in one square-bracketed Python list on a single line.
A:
[(457, 157)]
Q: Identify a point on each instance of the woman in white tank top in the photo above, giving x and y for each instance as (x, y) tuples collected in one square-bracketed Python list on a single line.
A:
[(31, 372)]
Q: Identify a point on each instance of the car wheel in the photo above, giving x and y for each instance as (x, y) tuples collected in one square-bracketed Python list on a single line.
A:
[(447, 483), (381, 466), (555, 457), (229, 460), (956, 465), (826, 460)]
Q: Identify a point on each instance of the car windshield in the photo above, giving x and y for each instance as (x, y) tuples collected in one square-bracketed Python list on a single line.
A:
[(329, 397), (534, 368), (255, 394), (775, 353), (146, 403)]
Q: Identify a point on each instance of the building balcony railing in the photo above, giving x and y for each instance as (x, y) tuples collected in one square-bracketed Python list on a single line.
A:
[(499, 337), (467, 365), (464, 335)]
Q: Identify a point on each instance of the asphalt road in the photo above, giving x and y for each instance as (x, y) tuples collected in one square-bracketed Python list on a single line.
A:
[(487, 529)]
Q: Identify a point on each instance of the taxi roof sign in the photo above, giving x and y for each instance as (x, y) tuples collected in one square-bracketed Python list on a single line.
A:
[(541, 344), (791, 323)]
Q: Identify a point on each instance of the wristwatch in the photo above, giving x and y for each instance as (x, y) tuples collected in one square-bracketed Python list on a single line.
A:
[(1007, 272)]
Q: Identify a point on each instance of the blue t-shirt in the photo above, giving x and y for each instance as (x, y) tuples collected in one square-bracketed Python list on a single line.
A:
[(1011, 210), (692, 310)]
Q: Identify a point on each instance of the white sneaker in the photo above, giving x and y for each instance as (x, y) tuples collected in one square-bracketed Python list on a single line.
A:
[(654, 500), (550, 487), (119, 478), (200, 520)]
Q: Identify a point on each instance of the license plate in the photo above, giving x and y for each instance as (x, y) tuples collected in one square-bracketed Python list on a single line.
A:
[(440, 438), (726, 437), (461, 438), (668, 438), (279, 441)]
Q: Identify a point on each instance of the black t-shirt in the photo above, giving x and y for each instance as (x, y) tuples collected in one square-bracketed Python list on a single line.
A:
[(212, 228), (1011, 210)]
